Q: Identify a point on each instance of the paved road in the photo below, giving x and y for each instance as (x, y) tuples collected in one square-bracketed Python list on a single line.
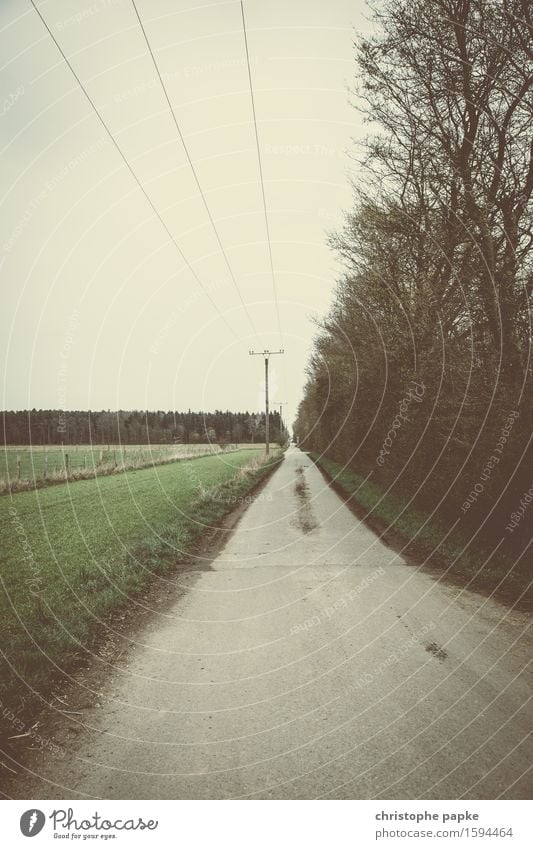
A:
[(311, 661)]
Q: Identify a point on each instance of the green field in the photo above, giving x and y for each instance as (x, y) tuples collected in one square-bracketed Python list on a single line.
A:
[(23, 464), (73, 554)]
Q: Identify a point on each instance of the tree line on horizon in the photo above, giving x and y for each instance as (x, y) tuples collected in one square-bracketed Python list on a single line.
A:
[(137, 427), (421, 375)]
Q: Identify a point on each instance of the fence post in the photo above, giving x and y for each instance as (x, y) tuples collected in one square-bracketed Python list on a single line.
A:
[(66, 465), (18, 467), (45, 466)]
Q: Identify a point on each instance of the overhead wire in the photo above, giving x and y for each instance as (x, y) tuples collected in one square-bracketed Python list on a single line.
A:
[(259, 160), (132, 171), (193, 169)]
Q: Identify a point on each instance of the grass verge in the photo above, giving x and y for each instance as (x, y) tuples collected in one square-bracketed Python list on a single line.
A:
[(428, 540), (74, 556)]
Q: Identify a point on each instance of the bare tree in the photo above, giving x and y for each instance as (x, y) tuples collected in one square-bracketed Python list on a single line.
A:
[(450, 83)]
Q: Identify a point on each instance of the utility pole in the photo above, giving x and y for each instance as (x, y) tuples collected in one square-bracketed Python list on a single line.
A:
[(266, 355), (280, 404)]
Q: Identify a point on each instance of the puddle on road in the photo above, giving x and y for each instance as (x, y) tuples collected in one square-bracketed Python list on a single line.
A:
[(305, 519)]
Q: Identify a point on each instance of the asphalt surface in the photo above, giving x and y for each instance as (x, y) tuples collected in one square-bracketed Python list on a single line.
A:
[(310, 661)]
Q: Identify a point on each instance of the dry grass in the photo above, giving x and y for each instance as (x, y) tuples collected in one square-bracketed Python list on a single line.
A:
[(105, 468)]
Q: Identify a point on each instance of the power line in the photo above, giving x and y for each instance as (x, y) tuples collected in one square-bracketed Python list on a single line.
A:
[(132, 172), (267, 227), (193, 169)]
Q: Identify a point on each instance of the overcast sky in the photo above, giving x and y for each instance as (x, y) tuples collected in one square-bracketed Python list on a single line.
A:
[(102, 310)]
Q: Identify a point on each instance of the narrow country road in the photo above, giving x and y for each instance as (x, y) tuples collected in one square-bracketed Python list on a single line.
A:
[(310, 661)]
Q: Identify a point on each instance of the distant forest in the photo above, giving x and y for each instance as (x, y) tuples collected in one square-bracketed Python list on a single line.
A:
[(56, 427)]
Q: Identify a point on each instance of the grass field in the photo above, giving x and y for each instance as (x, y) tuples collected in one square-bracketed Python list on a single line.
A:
[(22, 466), (428, 539), (74, 554)]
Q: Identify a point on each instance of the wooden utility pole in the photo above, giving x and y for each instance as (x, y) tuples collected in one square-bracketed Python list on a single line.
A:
[(266, 355), (280, 404)]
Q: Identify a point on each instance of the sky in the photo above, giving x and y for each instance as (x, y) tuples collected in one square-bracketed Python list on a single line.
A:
[(120, 297)]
